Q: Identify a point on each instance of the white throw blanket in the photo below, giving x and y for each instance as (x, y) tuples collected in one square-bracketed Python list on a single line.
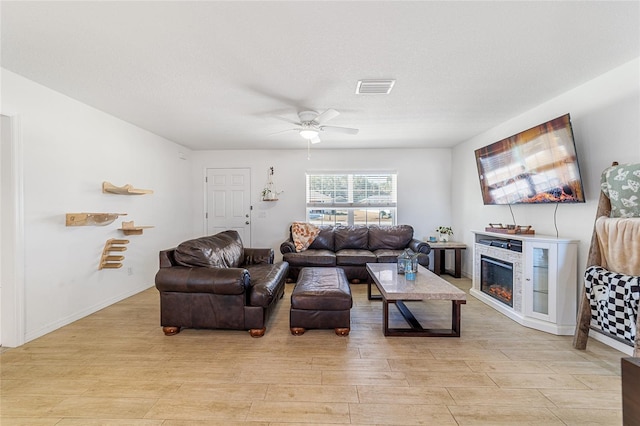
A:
[(619, 240)]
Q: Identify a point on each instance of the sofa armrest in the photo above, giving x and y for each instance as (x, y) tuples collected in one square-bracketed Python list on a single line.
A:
[(203, 280), (255, 256), (419, 246), (167, 259), (287, 247)]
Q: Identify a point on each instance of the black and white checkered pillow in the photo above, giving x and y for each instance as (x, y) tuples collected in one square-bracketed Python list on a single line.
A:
[(614, 300)]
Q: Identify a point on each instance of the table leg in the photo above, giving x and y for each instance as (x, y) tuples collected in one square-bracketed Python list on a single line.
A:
[(385, 317), (455, 316), (416, 329), (369, 295), (438, 261), (458, 265)]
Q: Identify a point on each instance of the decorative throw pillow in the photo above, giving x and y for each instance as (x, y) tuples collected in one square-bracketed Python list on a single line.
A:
[(622, 185), (303, 235)]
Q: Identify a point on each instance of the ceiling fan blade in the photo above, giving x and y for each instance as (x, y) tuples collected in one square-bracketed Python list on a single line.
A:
[(326, 116), (284, 131), (335, 129), (288, 120), (316, 140)]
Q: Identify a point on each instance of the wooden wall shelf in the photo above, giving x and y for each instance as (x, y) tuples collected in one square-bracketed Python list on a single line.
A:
[(128, 228), (124, 190), (109, 261), (91, 219)]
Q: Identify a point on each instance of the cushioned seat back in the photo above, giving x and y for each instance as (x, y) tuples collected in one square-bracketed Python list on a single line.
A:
[(351, 237), (395, 237), (222, 250), (324, 240)]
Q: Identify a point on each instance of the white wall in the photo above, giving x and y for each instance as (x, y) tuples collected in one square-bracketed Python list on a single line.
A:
[(5, 177), (69, 149), (424, 189), (604, 114)]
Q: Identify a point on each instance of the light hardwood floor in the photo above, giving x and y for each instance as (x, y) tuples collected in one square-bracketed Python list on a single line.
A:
[(117, 367)]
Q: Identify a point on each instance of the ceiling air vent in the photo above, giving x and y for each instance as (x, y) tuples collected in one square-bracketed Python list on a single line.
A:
[(374, 87)]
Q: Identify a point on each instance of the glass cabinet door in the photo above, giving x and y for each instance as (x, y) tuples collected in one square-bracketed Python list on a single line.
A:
[(540, 280)]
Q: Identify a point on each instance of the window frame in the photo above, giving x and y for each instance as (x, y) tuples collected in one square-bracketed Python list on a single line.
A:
[(381, 211)]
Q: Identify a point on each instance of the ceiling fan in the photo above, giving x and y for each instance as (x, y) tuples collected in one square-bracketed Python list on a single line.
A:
[(312, 124)]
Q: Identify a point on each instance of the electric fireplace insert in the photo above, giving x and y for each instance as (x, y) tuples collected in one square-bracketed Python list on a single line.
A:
[(496, 279)]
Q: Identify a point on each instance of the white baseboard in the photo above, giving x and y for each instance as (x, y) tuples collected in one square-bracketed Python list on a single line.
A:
[(613, 343)]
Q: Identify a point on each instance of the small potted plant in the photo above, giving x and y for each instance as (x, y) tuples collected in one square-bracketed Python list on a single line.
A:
[(445, 232), (267, 194)]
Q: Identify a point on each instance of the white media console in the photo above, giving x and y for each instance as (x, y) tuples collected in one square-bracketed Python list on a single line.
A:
[(531, 279)]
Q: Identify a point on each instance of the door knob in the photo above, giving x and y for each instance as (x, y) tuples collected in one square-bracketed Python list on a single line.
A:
[(247, 215), (246, 223)]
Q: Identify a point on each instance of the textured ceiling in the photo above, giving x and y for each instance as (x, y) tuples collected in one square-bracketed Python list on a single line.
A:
[(226, 75)]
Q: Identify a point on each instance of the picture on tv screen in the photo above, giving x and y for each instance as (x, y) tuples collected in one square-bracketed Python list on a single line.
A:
[(538, 165)]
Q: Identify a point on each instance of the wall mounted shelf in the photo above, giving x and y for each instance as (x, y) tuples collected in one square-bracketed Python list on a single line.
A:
[(91, 219), (109, 261), (128, 228), (124, 190)]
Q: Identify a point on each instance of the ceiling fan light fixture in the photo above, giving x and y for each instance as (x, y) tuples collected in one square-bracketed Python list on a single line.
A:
[(309, 134)]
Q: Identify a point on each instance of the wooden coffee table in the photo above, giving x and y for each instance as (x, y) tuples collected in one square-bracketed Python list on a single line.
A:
[(394, 288)]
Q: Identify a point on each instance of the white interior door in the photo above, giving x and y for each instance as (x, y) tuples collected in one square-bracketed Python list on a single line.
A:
[(229, 202)]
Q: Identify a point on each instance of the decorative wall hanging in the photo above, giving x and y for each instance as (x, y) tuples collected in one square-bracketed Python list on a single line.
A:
[(270, 193)]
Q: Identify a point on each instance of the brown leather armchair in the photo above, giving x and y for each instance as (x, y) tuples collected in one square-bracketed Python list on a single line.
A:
[(215, 283)]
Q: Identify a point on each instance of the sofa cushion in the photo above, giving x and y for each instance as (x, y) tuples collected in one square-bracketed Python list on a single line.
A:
[(265, 281), (303, 235), (351, 237), (311, 257), (221, 281), (389, 237), (324, 240), (222, 250), (322, 289), (354, 257)]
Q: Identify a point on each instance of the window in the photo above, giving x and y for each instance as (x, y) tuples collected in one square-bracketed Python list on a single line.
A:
[(342, 198)]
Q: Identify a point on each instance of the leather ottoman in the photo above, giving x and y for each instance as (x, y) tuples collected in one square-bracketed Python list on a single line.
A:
[(321, 299)]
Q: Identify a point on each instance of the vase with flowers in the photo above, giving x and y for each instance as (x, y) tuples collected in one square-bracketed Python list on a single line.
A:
[(445, 233)]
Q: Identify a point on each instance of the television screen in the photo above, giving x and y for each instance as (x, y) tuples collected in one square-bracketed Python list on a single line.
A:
[(538, 165)]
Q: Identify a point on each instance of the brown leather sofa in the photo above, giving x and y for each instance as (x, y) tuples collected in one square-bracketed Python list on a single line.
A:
[(352, 247), (214, 282)]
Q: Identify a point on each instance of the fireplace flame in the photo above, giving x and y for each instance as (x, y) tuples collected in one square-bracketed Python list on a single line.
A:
[(501, 292)]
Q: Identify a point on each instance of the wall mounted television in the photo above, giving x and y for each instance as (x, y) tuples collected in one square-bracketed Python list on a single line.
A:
[(538, 165)]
